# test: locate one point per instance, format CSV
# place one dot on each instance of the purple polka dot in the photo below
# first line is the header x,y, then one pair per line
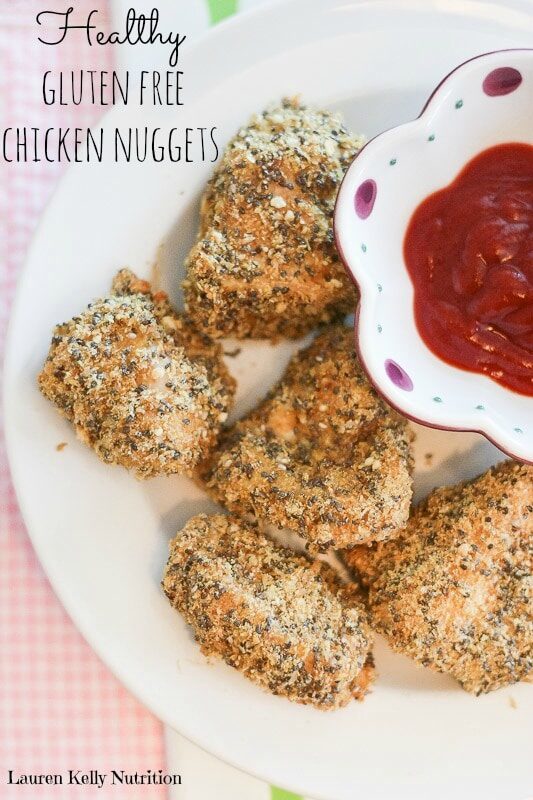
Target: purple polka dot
x,y
365,198
398,375
503,80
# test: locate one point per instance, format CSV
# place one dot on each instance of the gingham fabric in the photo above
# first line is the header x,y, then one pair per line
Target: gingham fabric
x,y
60,708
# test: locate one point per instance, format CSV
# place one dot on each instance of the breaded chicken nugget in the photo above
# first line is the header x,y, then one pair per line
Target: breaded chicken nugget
x,y
454,591
265,264
322,455
142,387
285,623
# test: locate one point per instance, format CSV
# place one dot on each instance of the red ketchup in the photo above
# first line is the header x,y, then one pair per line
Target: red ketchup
x,y
469,252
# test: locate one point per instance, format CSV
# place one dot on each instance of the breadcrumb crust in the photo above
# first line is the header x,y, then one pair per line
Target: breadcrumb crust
x,y
454,591
142,387
286,623
322,455
265,264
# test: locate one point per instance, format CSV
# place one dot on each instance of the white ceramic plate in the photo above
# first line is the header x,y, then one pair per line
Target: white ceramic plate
x,y
102,536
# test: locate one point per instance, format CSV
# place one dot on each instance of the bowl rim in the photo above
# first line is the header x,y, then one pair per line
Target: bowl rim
x,y
357,313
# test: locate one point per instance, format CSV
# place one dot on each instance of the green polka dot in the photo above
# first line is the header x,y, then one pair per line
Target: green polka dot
x,y
480,408
431,137
380,329
363,247
459,104
392,162
380,287
518,430
437,399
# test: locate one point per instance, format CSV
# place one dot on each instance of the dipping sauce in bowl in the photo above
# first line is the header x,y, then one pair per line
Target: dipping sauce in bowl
x,y
469,252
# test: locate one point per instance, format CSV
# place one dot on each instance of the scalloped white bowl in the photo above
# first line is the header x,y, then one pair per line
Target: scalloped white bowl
x,y
465,114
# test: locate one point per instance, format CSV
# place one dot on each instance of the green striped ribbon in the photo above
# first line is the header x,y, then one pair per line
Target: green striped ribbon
x,y
281,794
219,10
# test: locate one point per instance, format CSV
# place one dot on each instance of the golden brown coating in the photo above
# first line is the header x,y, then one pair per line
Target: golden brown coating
x,y
454,591
142,387
322,455
284,622
265,264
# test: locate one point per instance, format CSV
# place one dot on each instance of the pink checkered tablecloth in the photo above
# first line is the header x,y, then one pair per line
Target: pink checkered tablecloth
x,y
60,708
